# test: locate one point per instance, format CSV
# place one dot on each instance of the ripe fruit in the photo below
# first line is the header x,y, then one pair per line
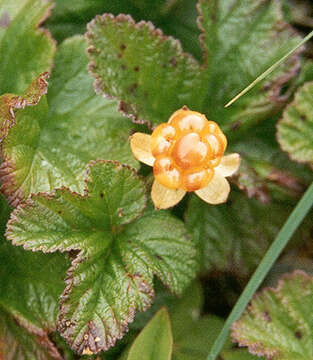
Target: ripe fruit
x,y
186,150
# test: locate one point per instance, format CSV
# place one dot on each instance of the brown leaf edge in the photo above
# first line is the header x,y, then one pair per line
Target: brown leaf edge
x,y
91,342
275,85
129,110
9,105
46,31
88,344
259,188
41,335
257,348
278,136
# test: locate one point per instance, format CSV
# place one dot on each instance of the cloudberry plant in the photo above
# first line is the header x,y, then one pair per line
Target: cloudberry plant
x,y
187,155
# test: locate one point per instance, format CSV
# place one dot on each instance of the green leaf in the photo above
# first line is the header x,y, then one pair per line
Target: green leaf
x,y
26,51
234,236
193,333
279,322
146,70
51,143
236,35
16,343
155,341
295,129
30,284
112,275
242,39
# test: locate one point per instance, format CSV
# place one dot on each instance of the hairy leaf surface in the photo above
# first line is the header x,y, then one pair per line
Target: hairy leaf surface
x,y
146,70
112,276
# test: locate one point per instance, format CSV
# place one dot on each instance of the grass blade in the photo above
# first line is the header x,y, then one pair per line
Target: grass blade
x,y
270,69
290,226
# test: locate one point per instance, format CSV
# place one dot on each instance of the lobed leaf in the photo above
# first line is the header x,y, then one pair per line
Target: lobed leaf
x,y
279,322
155,341
146,70
112,275
295,129
26,50
51,143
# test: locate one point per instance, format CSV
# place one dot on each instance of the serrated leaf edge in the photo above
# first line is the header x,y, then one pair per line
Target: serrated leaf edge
x,y
278,136
89,344
16,103
51,195
129,110
254,347
63,324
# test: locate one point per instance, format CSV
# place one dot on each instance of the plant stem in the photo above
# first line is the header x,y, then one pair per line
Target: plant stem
x,y
290,226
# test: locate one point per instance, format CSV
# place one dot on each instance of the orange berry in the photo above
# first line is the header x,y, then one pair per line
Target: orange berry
x,y
212,127
217,143
188,121
166,173
189,151
197,180
161,139
214,162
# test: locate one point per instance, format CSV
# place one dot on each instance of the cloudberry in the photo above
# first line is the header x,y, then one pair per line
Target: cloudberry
x,y
187,155
186,150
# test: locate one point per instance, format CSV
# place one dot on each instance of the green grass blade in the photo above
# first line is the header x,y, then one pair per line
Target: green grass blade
x,y
270,69
290,226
